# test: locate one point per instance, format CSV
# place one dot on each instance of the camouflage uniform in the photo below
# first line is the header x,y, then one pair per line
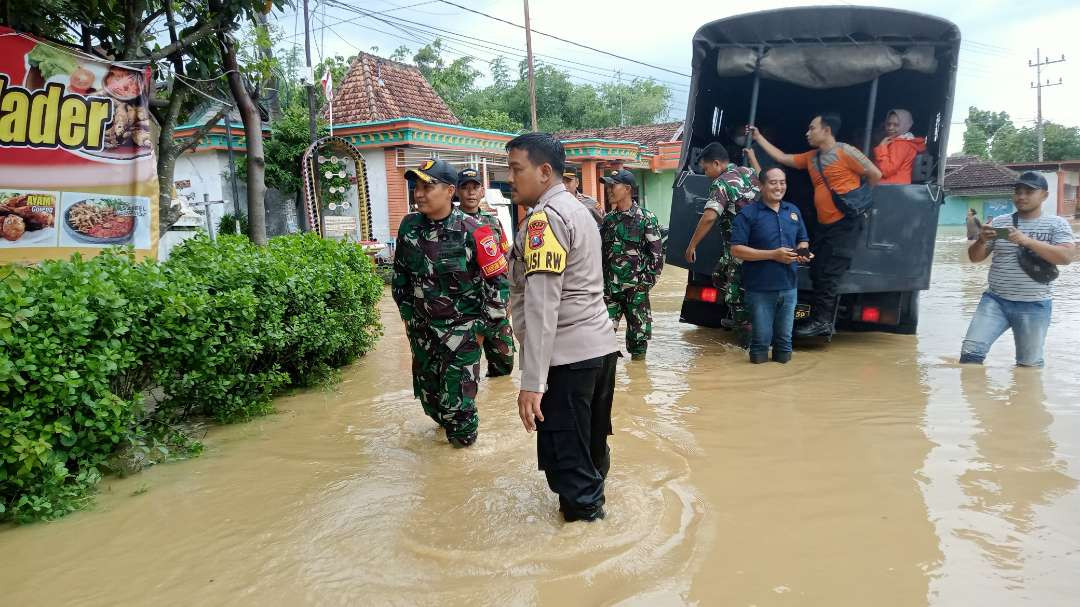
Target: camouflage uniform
x,y
633,256
729,193
498,338
449,282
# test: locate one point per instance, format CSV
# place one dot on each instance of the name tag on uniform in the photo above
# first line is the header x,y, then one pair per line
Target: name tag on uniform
x,y
543,252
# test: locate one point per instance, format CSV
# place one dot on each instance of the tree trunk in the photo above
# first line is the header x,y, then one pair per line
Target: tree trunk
x,y
272,96
256,161
166,159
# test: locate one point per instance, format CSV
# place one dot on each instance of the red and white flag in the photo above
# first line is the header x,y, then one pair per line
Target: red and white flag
x,y
328,85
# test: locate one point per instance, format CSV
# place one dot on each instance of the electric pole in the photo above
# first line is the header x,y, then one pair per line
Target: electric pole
x,y
310,76
532,76
1038,85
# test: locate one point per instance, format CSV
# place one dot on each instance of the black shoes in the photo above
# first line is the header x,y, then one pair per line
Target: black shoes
x,y
781,357
588,517
759,357
815,328
465,441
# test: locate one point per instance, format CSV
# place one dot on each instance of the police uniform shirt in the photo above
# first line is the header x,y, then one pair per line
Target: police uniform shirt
x,y
557,289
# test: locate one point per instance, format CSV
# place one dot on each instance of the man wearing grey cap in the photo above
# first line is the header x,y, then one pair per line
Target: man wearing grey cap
x,y
1027,247
568,349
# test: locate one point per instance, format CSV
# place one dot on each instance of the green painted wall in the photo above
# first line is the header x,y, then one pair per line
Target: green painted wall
x,y
954,213
654,192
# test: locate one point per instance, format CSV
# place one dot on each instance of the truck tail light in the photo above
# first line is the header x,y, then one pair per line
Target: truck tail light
x,y
705,294
870,314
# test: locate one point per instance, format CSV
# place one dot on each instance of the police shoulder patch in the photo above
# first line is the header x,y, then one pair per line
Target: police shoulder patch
x,y
543,252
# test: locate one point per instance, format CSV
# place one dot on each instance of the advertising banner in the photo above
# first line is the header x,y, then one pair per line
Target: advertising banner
x,y
77,164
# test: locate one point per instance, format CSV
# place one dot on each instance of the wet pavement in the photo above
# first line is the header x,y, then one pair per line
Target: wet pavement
x,y
872,471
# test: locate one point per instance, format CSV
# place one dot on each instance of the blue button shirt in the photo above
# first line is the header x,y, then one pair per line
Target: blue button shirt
x,y
759,227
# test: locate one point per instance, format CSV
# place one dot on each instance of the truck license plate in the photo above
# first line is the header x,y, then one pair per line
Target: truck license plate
x,y
802,311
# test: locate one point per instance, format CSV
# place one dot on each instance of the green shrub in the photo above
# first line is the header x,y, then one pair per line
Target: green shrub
x,y
217,330
228,224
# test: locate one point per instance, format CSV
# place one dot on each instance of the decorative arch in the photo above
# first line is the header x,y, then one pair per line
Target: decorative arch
x,y
312,177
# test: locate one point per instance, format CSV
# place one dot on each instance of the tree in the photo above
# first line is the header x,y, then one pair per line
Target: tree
x,y
561,104
185,68
981,128
993,136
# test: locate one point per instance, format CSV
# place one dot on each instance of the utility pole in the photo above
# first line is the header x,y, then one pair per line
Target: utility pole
x,y
532,77
310,75
1038,85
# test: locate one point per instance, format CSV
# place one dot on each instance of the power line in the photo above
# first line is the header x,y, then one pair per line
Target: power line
x,y
452,34
584,46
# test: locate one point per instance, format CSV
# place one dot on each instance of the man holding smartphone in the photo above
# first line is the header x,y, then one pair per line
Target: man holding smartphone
x,y
1014,299
770,237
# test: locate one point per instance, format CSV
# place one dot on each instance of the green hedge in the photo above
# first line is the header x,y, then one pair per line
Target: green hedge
x,y
217,330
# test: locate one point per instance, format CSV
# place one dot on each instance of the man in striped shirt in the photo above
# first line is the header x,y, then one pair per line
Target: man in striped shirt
x,y
1014,300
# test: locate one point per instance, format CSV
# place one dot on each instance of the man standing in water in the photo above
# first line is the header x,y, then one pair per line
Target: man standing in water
x,y
834,241
633,259
568,347
498,339
732,188
1015,299
449,282
770,237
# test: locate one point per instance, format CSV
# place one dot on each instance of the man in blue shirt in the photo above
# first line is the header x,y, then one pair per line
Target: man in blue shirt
x,y
769,236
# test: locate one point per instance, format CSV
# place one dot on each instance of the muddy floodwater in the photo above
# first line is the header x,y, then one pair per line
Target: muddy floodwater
x,y
872,471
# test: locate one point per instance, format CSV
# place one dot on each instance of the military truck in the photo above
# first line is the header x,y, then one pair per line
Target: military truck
x,y
778,69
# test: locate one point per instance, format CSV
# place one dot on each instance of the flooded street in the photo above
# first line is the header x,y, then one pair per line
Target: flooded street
x,y
872,471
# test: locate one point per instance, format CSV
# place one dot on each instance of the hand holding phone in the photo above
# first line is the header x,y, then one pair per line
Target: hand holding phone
x,y
1001,233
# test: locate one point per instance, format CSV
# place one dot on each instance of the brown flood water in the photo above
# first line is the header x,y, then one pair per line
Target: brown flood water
x,y
874,471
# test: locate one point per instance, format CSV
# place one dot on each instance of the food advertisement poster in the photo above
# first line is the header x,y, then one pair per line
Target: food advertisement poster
x,y
78,171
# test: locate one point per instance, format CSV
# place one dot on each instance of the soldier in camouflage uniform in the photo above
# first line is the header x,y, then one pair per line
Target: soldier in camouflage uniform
x,y
449,282
733,187
633,256
498,339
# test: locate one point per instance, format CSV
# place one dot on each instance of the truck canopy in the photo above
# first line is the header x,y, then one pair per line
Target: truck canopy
x,y
778,68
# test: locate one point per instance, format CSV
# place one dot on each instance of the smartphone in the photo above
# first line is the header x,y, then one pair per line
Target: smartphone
x,y
803,252
1001,232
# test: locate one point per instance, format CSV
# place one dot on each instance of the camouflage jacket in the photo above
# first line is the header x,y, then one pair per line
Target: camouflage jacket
x,y
633,253
448,273
733,190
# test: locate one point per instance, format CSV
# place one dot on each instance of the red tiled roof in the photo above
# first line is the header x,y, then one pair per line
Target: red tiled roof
x,y
379,89
648,135
980,177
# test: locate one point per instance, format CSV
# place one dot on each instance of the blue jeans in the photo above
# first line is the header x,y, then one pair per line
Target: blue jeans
x,y
1028,320
772,314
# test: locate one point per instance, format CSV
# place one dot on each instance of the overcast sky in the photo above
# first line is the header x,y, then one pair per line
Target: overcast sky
x,y
999,39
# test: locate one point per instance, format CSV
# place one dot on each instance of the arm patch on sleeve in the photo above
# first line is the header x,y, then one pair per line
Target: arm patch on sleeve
x,y
543,252
489,255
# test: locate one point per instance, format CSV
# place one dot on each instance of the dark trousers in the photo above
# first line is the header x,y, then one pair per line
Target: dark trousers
x,y
833,247
571,443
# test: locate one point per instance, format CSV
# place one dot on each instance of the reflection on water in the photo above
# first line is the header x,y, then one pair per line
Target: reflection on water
x,y
872,471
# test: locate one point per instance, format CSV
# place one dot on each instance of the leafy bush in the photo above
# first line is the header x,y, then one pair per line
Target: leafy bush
x,y
217,330
229,223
